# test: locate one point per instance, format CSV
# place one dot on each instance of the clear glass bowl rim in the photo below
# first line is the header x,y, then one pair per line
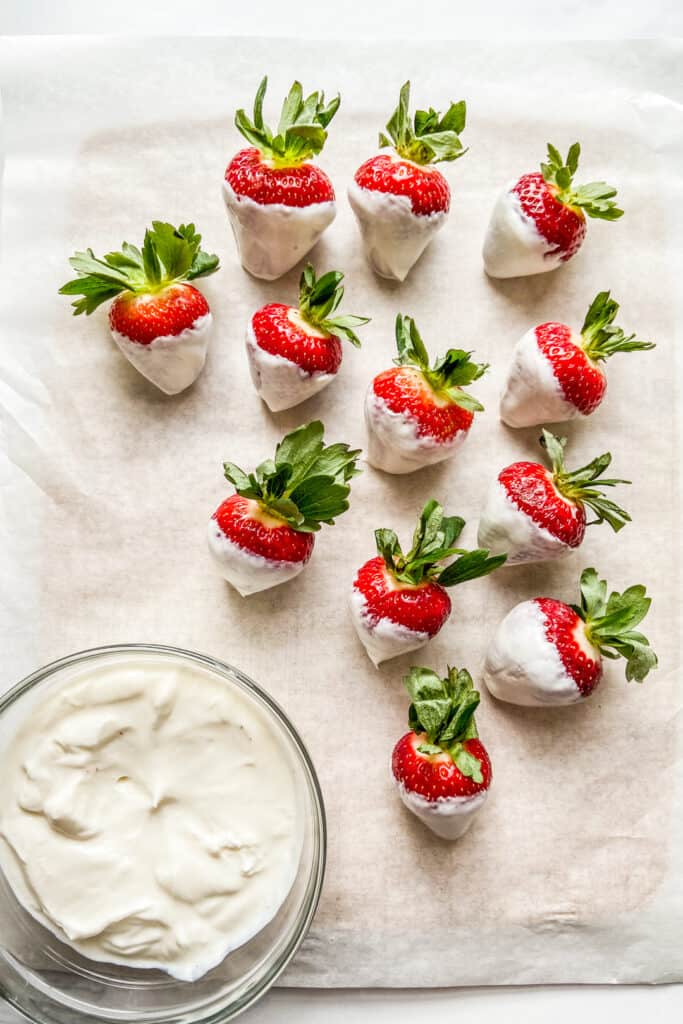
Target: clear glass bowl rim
x,y
255,992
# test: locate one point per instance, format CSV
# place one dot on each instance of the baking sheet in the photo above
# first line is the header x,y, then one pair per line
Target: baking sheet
x,y
573,871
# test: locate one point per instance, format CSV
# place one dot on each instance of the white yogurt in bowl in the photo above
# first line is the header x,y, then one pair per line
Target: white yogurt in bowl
x,y
155,814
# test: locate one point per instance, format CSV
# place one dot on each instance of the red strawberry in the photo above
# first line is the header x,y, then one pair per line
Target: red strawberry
x,y
441,767
539,222
160,323
263,535
546,652
417,415
555,373
278,203
398,602
401,201
534,514
295,352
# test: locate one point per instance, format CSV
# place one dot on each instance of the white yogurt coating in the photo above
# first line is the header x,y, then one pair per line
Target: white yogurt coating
x,y
514,247
532,394
505,529
278,381
394,444
393,236
449,817
246,572
523,667
382,638
149,815
174,361
271,237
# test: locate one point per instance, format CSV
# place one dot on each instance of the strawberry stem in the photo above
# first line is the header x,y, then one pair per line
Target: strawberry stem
x,y
306,484
596,198
601,336
430,137
320,297
301,131
579,485
168,256
448,374
433,542
443,709
610,623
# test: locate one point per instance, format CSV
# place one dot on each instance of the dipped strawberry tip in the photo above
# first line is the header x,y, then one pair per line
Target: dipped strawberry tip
x,y
305,484
448,374
168,256
595,199
443,710
319,299
430,137
584,486
611,621
433,542
601,337
301,132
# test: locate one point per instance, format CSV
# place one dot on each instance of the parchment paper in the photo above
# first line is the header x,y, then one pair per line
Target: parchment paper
x,y
572,873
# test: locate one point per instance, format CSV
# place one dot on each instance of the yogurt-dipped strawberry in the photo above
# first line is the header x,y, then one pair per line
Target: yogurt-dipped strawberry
x,y
264,534
159,321
400,199
294,352
556,373
278,202
417,414
399,602
441,768
539,222
547,653
534,514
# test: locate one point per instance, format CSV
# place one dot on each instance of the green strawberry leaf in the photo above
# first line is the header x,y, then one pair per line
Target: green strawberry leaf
x,y
610,623
596,198
584,486
431,137
169,255
601,336
320,297
301,131
306,484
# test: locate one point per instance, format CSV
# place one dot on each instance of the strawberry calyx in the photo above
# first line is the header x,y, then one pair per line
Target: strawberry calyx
x,y
430,137
610,623
579,485
320,297
305,484
449,372
601,337
595,199
433,542
168,256
301,131
443,710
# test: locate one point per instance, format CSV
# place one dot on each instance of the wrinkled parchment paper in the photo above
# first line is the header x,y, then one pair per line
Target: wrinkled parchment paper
x,y
572,873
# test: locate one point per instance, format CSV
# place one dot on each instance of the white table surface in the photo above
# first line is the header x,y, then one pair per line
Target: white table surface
x,y
320,19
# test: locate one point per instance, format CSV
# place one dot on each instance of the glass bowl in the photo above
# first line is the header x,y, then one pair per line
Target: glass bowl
x,y
51,983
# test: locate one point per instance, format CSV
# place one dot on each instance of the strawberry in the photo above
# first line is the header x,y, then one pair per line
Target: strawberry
x,y
441,767
416,414
555,373
539,222
295,352
263,534
545,652
534,514
279,203
398,602
399,199
160,323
